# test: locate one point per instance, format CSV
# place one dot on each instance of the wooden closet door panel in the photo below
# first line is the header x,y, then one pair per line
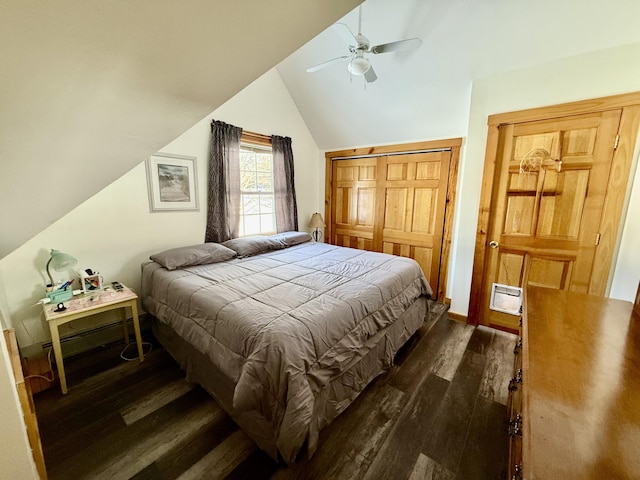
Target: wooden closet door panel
x,y
412,200
354,205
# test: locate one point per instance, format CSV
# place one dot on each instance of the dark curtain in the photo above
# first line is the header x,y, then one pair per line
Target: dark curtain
x,y
223,209
284,188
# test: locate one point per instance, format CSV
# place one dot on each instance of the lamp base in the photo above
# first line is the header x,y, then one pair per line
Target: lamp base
x,y
317,234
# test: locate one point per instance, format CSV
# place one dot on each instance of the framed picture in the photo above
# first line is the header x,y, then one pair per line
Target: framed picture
x,y
172,182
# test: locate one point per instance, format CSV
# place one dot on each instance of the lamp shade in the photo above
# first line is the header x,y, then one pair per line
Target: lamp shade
x,y
316,221
359,65
59,261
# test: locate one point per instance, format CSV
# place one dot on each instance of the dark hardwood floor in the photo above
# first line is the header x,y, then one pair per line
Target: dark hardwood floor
x,y
438,414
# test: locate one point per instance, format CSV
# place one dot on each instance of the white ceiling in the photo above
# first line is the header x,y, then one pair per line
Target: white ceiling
x,y
425,94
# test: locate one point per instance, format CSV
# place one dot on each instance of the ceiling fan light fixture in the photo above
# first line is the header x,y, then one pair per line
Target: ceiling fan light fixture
x,y
359,66
358,45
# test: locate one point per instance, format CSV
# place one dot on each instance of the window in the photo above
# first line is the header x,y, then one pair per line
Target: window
x,y
257,206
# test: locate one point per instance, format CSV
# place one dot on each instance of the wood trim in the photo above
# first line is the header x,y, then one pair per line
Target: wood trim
x,y
566,109
389,149
617,187
452,144
479,259
256,138
628,102
458,317
328,217
447,234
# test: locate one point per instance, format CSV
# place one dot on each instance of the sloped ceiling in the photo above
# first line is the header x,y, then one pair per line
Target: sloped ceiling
x,y
425,94
89,89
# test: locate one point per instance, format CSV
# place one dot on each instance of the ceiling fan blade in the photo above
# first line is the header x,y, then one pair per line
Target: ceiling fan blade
x,y
370,76
322,65
346,34
407,44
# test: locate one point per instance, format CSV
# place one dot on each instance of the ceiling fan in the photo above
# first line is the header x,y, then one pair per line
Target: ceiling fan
x,y
359,45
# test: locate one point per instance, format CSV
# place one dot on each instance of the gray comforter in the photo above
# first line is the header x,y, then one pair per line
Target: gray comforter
x,y
283,324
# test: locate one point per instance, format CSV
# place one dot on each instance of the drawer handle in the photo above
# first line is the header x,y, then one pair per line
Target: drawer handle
x,y
517,472
513,383
515,426
518,347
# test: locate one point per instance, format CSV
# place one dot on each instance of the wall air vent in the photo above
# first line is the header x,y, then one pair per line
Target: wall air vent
x,y
506,299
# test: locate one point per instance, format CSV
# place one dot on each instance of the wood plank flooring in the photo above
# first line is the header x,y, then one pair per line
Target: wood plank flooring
x,y
438,414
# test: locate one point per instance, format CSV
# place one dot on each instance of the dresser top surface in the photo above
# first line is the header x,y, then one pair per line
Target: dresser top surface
x,y
581,366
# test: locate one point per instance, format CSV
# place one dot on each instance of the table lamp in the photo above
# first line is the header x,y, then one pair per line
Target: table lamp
x,y
316,222
59,261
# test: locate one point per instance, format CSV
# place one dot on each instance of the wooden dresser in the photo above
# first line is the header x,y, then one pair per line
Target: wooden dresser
x,y
575,396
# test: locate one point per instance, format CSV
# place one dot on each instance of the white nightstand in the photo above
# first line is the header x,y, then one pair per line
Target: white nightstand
x,y
88,304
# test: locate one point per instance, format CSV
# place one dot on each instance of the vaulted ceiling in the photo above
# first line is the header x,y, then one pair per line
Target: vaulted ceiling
x,y
89,89
424,94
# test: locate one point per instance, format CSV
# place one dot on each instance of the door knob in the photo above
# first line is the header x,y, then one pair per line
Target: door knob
x,y
494,244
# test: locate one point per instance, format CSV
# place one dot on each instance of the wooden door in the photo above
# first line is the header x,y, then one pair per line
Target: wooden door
x,y
393,204
354,202
410,219
546,211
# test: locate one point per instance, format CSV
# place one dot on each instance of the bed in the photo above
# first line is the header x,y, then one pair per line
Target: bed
x,y
283,332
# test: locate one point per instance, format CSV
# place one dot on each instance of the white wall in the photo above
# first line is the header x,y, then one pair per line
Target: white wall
x,y
113,232
597,74
15,453
16,460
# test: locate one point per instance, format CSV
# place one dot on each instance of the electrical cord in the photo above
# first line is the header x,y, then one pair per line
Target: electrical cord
x,y
144,354
50,380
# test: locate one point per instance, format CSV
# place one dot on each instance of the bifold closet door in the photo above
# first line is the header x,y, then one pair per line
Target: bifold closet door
x,y
410,221
354,202
393,204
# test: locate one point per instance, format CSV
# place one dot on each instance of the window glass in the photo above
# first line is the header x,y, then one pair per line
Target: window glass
x,y
257,213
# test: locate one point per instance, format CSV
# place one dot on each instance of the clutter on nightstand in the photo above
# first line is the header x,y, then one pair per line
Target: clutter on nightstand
x,y
90,280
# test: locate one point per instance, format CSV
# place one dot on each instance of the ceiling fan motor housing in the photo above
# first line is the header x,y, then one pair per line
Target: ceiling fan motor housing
x,y
363,42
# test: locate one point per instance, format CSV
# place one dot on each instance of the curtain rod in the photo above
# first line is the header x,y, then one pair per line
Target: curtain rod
x,y
373,155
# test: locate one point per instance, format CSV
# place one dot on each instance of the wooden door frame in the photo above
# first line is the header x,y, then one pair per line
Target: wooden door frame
x,y
618,179
452,144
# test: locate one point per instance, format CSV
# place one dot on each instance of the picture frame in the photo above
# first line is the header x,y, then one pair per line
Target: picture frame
x,y
172,182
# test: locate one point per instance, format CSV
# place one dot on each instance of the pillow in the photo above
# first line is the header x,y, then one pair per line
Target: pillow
x,y
289,239
253,245
201,254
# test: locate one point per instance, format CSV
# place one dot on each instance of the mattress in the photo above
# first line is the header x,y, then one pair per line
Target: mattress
x,y
283,326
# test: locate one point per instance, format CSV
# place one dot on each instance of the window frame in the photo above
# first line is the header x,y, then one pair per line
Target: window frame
x,y
260,142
